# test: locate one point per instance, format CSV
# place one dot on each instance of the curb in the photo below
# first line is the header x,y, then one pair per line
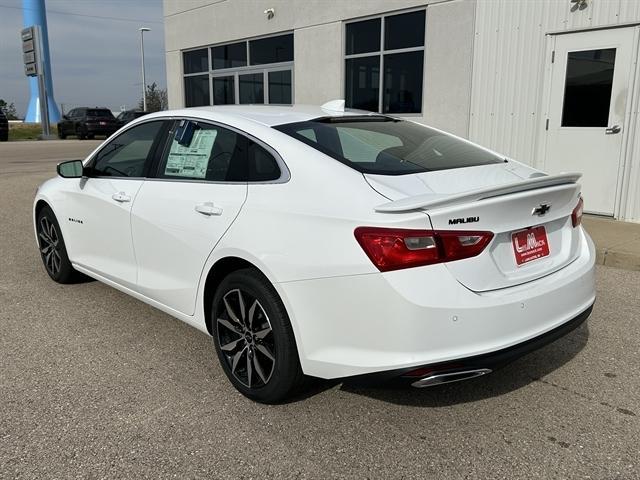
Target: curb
x,y
617,259
617,242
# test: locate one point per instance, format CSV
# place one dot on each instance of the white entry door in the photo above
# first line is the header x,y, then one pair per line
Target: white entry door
x,y
589,91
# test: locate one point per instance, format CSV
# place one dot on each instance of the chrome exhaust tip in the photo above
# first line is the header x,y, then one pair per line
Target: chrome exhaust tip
x,y
450,377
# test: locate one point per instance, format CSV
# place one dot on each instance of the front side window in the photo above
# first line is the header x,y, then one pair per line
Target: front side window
x,y
127,154
386,146
384,63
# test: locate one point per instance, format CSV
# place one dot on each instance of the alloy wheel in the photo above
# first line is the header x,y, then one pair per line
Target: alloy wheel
x,y
246,338
49,246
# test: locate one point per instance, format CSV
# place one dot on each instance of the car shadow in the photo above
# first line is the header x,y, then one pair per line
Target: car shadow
x,y
512,377
82,278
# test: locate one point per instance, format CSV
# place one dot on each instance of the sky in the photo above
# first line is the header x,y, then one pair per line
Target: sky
x,y
94,61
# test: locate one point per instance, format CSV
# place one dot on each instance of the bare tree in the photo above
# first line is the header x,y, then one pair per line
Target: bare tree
x,y
156,99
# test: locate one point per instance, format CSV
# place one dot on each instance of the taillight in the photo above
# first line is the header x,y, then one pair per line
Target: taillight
x,y
576,215
396,248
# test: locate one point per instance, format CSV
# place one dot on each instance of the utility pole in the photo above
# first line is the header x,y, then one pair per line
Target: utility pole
x,y
144,80
35,47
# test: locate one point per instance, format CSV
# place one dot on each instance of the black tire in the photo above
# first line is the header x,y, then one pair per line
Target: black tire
x,y
245,359
80,134
53,250
61,134
91,136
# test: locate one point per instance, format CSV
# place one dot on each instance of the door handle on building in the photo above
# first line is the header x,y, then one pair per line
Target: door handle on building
x,y
121,197
613,129
208,209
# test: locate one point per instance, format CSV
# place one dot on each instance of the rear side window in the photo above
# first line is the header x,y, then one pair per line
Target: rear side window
x,y
211,153
94,112
262,165
386,146
214,153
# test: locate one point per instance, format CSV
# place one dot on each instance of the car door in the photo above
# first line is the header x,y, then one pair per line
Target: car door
x,y
179,216
66,123
99,206
77,119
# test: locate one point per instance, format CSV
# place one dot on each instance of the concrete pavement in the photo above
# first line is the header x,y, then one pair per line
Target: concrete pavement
x,y
41,156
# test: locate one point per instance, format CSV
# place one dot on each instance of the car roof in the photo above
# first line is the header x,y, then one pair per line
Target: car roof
x,y
269,115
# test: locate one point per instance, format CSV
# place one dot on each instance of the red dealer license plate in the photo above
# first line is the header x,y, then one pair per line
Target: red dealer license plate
x,y
530,244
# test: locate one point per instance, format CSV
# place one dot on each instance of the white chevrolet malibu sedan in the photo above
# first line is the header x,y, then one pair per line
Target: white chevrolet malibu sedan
x,y
314,241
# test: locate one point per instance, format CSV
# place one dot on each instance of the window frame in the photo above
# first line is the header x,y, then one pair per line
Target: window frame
x,y
152,157
235,72
381,53
154,171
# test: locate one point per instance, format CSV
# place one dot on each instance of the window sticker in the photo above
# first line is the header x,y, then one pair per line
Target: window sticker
x,y
191,161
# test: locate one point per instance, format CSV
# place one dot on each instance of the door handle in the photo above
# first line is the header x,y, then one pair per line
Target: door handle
x,y
121,197
613,129
208,209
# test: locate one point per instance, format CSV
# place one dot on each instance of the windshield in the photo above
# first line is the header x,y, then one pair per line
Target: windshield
x,y
387,146
99,113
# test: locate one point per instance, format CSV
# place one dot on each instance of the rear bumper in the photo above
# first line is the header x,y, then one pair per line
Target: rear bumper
x,y
490,361
402,320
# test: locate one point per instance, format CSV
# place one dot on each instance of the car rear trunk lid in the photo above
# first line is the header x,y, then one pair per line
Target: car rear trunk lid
x,y
497,199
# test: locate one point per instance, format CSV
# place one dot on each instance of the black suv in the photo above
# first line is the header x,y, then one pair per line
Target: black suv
x,y
129,115
87,123
4,127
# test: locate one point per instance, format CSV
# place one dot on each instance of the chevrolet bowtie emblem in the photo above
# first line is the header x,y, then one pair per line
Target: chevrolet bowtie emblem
x,y
541,209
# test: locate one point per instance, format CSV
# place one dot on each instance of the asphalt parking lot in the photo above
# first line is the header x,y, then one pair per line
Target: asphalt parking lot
x,y
95,384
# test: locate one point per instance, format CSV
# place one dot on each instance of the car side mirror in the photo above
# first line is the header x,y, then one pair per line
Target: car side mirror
x,y
65,117
70,169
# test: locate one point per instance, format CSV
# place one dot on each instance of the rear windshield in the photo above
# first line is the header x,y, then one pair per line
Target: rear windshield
x,y
99,113
387,146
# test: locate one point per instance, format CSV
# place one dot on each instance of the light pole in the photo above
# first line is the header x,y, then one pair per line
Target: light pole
x,y
144,81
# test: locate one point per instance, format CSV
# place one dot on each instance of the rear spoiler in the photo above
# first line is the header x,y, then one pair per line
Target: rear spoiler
x,y
435,200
